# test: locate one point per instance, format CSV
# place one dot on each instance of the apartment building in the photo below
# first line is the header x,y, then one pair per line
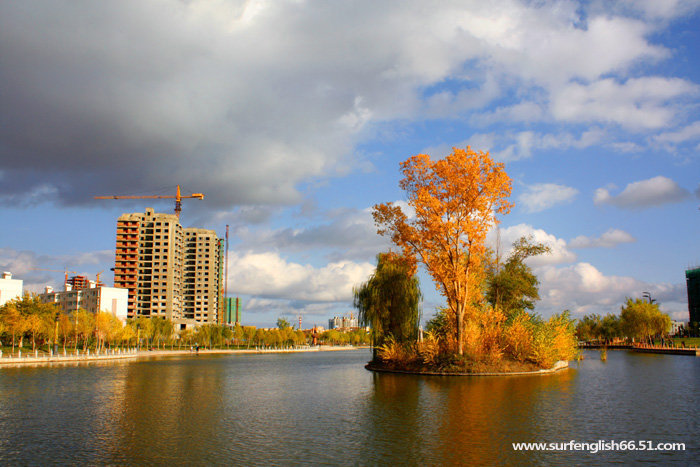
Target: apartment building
x,y
170,272
202,276
89,297
10,288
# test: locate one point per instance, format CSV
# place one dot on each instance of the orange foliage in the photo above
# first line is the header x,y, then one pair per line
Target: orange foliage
x,y
455,201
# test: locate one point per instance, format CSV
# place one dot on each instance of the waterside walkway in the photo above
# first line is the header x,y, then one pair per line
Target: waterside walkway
x,y
42,358
647,348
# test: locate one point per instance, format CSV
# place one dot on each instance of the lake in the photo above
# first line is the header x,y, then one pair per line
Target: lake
x,y
325,408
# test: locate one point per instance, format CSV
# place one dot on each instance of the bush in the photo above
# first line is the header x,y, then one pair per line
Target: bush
x,y
400,354
554,340
518,337
429,349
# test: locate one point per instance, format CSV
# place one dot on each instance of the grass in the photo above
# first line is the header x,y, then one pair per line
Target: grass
x,y
689,341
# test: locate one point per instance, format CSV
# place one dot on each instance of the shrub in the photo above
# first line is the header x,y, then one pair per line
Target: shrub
x,y
518,336
554,340
429,349
397,353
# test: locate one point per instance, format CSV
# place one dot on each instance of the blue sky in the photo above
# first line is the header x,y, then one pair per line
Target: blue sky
x,y
292,118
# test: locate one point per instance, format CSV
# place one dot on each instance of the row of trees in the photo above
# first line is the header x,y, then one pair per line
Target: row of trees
x,y
638,320
26,318
454,202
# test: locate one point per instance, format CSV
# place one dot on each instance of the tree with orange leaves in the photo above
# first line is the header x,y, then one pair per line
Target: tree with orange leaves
x,y
456,200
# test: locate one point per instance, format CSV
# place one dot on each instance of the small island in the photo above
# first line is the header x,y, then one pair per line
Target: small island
x,y
489,325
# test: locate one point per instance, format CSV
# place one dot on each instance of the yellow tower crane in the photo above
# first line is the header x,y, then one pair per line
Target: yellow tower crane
x,y
64,271
178,197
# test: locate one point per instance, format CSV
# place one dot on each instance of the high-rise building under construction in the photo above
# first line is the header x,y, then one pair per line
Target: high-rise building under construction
x,y
171,272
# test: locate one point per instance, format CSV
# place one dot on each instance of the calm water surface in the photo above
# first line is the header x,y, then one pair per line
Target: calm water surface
x,y
325,408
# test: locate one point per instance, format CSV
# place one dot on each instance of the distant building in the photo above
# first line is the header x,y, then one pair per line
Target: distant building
x,y
91,298
170,272
79,282
675,327
232,311
9,288
342,322
692,280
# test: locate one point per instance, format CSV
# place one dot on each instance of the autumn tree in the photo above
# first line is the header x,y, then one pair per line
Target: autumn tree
x,y
455,200
13,321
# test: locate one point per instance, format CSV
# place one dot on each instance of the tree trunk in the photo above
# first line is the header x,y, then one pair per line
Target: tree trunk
x,y
460,329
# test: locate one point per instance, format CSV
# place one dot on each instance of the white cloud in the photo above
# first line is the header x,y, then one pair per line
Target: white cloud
x,y
645,193
520,112
342,234
583,289
559,251
637,104
541,196
609,239
38,271
512,146
665,10
268,275
685,134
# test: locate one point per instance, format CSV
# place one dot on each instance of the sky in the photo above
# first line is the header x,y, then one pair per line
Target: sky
x,y
292,118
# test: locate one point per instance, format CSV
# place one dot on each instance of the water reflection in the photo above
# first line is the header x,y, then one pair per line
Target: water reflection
x,y
325,408
450,420
170,407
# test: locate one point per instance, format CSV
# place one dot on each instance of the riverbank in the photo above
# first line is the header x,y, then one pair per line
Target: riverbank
x,y
560,365
675,349
34,359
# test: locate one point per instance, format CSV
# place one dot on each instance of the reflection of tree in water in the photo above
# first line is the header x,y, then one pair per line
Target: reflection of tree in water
x,y
461,420
170,407
484,415
395,421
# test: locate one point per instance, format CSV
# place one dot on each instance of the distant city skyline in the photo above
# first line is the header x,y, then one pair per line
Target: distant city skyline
x,y
292,119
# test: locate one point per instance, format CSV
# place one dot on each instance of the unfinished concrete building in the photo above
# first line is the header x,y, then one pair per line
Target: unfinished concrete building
x,y
170,272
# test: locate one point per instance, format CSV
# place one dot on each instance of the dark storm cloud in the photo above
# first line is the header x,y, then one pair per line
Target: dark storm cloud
x,y
117,97
245,100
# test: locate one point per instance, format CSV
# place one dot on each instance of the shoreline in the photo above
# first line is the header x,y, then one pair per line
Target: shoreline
x,y
14,362
560,365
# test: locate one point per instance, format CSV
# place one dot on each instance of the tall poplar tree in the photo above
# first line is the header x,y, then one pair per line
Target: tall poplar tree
x,y
455,200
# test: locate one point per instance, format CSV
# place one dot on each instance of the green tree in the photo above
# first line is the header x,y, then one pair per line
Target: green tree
x,y
588,328
389,302
513,287
642,320
610,327
282,323
442,325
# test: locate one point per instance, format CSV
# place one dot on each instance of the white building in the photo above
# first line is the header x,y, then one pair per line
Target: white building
x,y
675,327
93,299
9,288
342,322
